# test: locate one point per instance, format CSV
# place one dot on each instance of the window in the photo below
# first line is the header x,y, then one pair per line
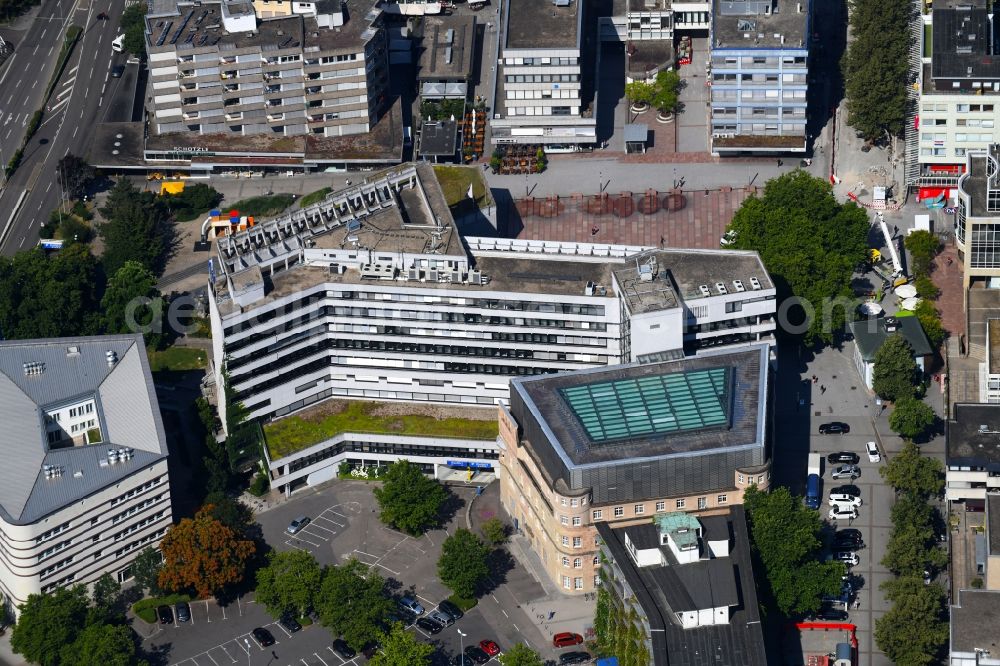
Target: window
x,y
563,520
598,514
565,561
577,583
562,500
565,540
721,499
702,502
619,511
639,509
566,582
577,563
577,521
760,479
739,479
660,506
680,504
597,581
597,541
578,542
574,502
597,560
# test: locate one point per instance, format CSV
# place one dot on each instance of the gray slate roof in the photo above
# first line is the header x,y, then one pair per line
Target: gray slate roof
x,y
869,334
127,413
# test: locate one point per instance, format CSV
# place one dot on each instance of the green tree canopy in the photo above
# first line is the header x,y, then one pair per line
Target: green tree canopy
x,y
809,243
133,24
911,472
101,644
911,549
930,321
911,418
193,201
408,500
786,537
895,374
146,570
137,228
352,602
75,175
289,582
639,92
666,91
201,553
463,565
913,632
923,246
49,622
234,515
520,654
49,296
494,531
127,300
399,647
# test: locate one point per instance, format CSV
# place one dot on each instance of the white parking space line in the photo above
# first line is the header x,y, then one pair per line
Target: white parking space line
x,y
304,550
316,535
320,527
209,655
321,659
74,69
298,538
287,633
223,648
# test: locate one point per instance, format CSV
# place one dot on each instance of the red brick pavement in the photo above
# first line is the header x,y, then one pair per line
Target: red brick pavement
x,y
700,224
948,278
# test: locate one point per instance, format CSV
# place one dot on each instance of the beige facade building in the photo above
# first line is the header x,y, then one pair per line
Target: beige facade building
x,y
623,444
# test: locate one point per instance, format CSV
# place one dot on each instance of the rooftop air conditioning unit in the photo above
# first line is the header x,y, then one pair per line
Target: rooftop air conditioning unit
x,y
413,274
432,275
754,283
456,277
589,289
721,288
738,284
475,277
705,291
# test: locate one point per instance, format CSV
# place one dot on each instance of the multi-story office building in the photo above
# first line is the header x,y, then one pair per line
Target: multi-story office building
x,y
759,59
216,69
539,95
972,453
649,28
84,486
689,581
373,294
959,93
624,443
977,222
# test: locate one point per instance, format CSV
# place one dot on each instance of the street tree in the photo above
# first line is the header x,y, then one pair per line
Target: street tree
x,y
639,93
48,622
133,25
810,244
352,602
289,582
399,647
229,512
464,563
131,302
785,535
930,320
408,500
203,554
101,644
193,201
494,531
520,655
911,418
911,472
914,631
895,374
146,570
666,91
136,228
75,175
912,549
106,592
923,246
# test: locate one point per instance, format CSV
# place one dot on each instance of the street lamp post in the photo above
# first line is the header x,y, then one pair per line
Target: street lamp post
x,y
461,644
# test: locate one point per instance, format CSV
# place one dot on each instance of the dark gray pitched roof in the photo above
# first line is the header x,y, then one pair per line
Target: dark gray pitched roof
x,y
127,414
643,536
869,334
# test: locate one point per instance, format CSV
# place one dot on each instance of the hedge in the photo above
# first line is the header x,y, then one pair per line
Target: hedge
x,y
146,608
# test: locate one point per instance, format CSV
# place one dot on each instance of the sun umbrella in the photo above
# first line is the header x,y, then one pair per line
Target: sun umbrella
x,y
906,291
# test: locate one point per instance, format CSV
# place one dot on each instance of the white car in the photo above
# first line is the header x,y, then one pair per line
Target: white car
x,y
873,454
845,500
847,557
841,512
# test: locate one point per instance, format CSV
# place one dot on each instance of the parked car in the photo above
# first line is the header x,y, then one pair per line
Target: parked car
x,y
117,71
831,614
429,625
263,636
370,649
289,624
846,472
843,457
843,513
873,454
297,524
165,614
443,619
846,556
566,639
845,499
848,533
183,611
850,489
410,603
451,609
343,650
489,647
574,658
475,654
834,428
847,543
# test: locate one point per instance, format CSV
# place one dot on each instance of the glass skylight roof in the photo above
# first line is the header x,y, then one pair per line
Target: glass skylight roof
x,y
661,404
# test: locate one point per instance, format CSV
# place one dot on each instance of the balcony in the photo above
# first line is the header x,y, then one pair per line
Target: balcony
x,y
275,116
236,115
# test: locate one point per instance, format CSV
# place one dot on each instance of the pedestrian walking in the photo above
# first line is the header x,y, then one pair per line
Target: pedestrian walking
x,y
822,389
780,162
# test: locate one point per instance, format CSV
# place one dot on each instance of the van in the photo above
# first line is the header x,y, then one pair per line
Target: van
x,y
812,491
119,44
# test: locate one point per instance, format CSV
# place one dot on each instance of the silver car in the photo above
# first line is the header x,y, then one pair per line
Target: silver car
x,y
297,524
846,472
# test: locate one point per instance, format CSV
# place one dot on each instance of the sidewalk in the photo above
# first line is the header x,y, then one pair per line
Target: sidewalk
x,y
7,656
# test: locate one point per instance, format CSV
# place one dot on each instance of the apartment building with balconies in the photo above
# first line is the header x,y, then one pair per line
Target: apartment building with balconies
x,y
84,486
224,75
759,61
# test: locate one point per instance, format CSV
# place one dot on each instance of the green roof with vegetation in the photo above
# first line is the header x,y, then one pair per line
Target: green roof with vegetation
x,y
294,433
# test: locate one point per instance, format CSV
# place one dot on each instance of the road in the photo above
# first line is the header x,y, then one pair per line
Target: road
x,y
78,102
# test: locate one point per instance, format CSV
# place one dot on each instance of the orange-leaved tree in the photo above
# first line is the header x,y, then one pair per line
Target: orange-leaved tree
x,y
203,553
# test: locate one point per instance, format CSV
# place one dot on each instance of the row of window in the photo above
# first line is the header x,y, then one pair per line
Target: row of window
x,y
135,491
124,515
639,509
401,450
81,427
138,526
58,566
59,529
542,78
52,550
959,108
81,410
535,62
577,583
578,562
135,545
988,123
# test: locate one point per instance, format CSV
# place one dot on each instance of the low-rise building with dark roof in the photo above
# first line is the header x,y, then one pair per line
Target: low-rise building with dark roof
x,y
690,581
975,629
869,335
84,483
447,50
619,444
972,452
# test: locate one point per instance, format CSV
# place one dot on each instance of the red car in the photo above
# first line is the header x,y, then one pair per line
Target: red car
x,y
566,639
489,647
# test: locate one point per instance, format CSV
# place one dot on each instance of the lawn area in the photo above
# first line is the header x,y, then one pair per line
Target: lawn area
x,y
455,184
314,197
263,206
928,40
294,433
177,359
